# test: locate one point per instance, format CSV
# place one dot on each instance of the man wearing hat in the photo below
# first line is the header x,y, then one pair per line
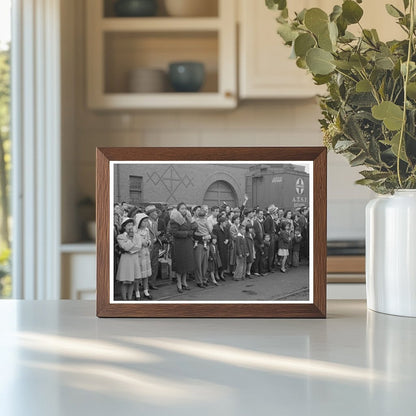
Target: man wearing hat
x,y
269,227
153,214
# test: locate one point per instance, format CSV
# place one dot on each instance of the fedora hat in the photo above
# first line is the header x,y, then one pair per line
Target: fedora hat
x,y
272,209
149,209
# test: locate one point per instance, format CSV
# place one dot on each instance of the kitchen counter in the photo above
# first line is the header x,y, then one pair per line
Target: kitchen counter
x,y
57,358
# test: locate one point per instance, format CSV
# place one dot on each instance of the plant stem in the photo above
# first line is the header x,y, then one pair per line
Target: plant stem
x,y
405,81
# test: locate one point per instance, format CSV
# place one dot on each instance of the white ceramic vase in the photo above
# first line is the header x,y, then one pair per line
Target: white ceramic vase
x,y
391,253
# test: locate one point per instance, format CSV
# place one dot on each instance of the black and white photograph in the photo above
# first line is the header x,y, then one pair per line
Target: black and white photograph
x,y
211,232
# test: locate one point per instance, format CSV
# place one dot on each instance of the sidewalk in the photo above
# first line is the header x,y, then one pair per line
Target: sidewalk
x,y
274,286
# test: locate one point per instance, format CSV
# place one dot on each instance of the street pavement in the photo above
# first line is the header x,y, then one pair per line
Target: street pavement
x,y
293,285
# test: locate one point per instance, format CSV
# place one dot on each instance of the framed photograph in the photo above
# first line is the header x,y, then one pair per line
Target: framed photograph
x,y
211,232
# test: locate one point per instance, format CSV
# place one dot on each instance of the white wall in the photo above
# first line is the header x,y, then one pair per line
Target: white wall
x,y
254,123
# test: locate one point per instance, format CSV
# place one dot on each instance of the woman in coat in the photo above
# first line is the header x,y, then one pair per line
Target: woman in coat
x,y
235,223
222,232
182,227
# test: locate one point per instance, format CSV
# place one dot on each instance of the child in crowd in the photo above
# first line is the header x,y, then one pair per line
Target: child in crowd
x,y
241,252
265,251
128,268
143,238
296,247
214,260
284,244
202,233
251,250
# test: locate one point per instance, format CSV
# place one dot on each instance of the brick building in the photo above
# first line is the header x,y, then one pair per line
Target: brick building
x,y
283,184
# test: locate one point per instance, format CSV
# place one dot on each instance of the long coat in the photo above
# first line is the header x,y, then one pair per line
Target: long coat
x,y
233,237
183,248
250,246
258,233
241,247
129,266
223,249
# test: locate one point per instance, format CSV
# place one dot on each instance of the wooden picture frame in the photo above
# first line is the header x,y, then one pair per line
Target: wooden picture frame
x,y
315,307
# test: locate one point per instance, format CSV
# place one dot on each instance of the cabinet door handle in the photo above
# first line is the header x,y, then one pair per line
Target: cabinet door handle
x,y
229,94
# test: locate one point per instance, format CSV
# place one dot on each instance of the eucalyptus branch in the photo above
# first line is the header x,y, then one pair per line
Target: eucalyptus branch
x,y
346,75
406,80
373,88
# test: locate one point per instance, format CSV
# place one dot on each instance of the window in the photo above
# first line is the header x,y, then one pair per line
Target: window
x,y
5,160
136,183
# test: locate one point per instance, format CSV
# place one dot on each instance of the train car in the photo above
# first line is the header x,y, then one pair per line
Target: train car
x,y
286,186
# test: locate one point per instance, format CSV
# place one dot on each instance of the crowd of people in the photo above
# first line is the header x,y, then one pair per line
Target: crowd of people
x,y
206,244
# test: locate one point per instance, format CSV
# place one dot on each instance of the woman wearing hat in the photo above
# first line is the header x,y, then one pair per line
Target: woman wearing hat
x,y
222,232
128,268
144,243
182,227
270,228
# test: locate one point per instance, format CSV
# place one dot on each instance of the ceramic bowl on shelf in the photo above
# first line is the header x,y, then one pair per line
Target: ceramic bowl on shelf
x,y
186,76
135,8
191,8
147,80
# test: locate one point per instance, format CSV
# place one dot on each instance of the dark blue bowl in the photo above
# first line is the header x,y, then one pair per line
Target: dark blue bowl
x,y
186,76
135,8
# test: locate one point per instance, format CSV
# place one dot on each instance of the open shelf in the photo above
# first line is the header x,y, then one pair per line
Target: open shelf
x,y
211,9
126,51
160,24
119,45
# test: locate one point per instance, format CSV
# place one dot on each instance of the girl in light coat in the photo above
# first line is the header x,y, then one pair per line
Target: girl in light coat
x,y
143,241
128,268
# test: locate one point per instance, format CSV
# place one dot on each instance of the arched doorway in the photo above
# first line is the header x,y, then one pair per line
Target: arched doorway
x,y
218,193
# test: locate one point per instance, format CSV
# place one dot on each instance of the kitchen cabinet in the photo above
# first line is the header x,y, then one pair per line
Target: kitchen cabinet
x,y
265,70
118,45
78,279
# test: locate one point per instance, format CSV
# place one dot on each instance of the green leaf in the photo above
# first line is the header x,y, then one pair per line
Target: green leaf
x,y
394,145
393,11
363,86
342,25
301,63
368,36
375,35
316,20
365,182
384,62
336,12
303,43
358,61
287,33
411,90
374,174
344,65
301,15
325,42
351,11
347,37
320,61
343,145
353,131
321,79
276,4
388,112
358,160
406,4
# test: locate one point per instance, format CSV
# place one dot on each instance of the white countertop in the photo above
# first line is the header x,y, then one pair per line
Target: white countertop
x,y
57,358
